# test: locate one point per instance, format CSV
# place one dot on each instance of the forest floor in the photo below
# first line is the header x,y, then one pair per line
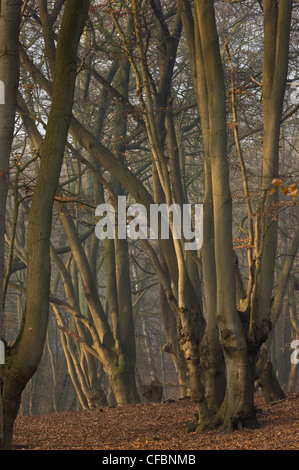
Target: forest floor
x,y
155,426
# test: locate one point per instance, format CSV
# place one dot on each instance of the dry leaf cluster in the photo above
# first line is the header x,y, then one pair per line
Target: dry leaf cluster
x,y
155,426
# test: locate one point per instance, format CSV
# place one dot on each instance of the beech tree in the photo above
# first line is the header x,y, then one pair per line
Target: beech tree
x,y
113,346
240,340
23,357
10,16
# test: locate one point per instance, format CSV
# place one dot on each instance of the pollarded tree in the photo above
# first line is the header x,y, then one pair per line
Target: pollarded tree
x,y
240,340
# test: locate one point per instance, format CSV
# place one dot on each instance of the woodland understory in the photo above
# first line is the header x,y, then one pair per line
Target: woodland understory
x,y
156,104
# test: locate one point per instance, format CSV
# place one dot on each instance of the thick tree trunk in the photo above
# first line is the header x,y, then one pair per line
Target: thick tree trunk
x,y
237,409
211,357
25,354
10,15
124,379
277,21
123,382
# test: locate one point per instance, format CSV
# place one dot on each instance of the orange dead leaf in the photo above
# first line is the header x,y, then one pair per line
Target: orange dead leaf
x,y
294,193
276,182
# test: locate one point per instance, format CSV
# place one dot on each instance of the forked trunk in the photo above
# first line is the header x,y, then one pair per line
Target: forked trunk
x,y
237,409
211,356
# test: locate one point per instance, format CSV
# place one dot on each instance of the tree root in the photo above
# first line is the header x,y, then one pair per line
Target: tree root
x,y
205,426
239,423
225,424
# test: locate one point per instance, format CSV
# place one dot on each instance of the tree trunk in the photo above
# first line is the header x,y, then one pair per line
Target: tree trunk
x,y
275,67
24,356
172,347
237,409
267,379
10,15
211,358
114,355
125,334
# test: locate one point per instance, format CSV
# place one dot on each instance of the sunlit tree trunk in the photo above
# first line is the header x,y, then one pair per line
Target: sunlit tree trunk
x,y
237,407
275,68
168,189
172,346
240,346
211,357
125,331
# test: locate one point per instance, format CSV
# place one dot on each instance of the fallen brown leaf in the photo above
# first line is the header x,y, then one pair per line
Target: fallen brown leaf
x,y
155,426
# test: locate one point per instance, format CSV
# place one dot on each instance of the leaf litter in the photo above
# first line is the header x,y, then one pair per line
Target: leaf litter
x,y
156,426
